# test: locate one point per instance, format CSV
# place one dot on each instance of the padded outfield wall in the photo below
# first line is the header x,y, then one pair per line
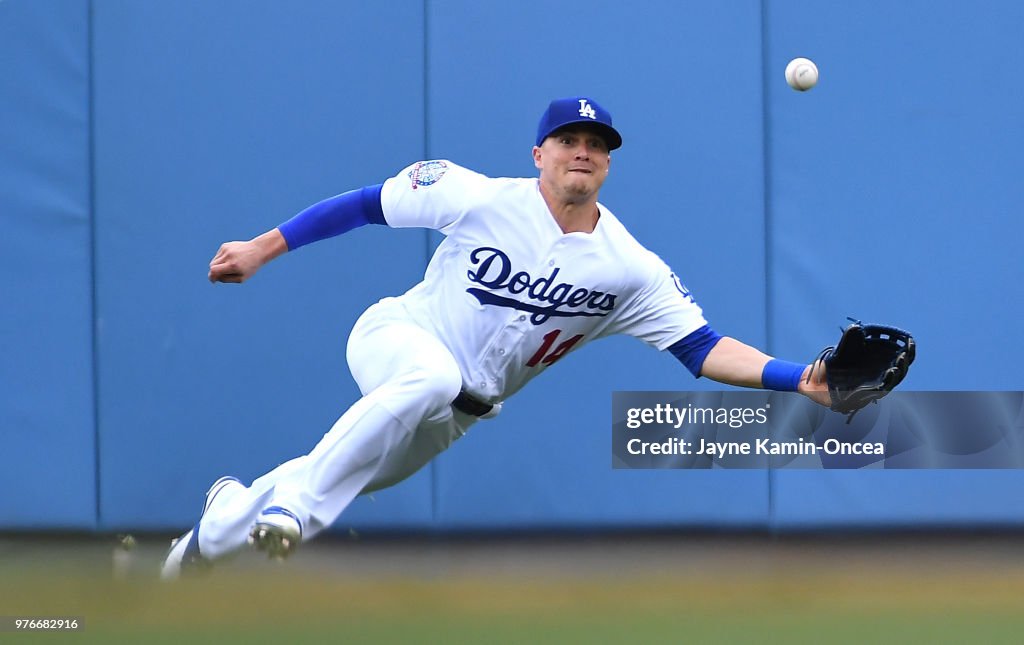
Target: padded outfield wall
x,y
138,136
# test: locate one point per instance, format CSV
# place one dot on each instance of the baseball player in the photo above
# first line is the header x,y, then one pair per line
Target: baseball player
x,y
529,270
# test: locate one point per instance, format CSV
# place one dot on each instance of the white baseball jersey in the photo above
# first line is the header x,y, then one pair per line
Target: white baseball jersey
x,y
509,293
506,295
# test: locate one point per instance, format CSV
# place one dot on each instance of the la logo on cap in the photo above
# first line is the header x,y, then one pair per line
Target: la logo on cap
x,y
565,112
587,110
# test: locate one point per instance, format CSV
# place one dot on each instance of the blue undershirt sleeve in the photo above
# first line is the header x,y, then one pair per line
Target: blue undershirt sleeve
x,y
693,349
334,216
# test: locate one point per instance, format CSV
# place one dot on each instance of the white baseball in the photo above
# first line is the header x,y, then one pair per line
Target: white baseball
x,y
801,74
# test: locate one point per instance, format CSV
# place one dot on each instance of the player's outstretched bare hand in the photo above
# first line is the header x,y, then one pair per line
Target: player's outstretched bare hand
x,y
239,261
814,385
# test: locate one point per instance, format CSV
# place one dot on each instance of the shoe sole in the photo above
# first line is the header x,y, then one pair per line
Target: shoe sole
x,y
276,542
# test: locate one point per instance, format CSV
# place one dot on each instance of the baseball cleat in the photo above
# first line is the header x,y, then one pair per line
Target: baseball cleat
x,y
183,557
277,532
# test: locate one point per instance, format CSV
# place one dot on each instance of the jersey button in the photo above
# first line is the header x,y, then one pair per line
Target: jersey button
x,y
551,263
522,318
501,351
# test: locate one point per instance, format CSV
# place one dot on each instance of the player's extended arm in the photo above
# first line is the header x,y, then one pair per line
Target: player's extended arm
x,y
238,261
736,363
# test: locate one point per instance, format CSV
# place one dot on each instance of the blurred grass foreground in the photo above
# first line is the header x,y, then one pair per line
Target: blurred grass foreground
x,y
626,588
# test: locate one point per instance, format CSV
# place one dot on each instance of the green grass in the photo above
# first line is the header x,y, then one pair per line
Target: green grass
x,y
715,591
281,605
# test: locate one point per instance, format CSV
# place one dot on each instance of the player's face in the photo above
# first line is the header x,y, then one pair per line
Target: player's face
x,y
573,163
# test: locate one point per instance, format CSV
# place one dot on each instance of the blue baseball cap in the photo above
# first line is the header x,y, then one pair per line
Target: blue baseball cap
x,y
577,109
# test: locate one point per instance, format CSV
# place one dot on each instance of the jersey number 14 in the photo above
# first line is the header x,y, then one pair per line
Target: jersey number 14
x,y
542,355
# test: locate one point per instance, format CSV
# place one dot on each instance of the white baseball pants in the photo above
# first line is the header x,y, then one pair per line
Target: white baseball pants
x,y
408,379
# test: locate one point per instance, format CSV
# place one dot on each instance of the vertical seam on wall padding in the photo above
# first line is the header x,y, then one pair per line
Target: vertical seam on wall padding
x,y
427,233
91,174
766,179
426,79
766,212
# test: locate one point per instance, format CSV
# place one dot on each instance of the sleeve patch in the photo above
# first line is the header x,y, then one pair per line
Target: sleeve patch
x,y
427,173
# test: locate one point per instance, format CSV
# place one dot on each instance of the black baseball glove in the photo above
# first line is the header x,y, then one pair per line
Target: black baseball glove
x,y
868,362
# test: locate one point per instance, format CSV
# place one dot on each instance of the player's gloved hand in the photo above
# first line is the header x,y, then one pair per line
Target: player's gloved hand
x,y
239,261
867,363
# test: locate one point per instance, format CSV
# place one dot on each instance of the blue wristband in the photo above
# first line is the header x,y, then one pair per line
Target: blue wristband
x,y
782,376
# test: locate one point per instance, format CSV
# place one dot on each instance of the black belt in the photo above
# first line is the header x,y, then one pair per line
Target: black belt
x,y
471,405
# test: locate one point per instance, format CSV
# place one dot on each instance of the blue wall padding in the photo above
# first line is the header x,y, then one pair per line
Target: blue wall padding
x,y
135,138
217,123
47,429
894,196
546,460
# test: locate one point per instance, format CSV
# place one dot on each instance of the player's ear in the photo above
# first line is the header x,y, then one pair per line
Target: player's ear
x,y
536,156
